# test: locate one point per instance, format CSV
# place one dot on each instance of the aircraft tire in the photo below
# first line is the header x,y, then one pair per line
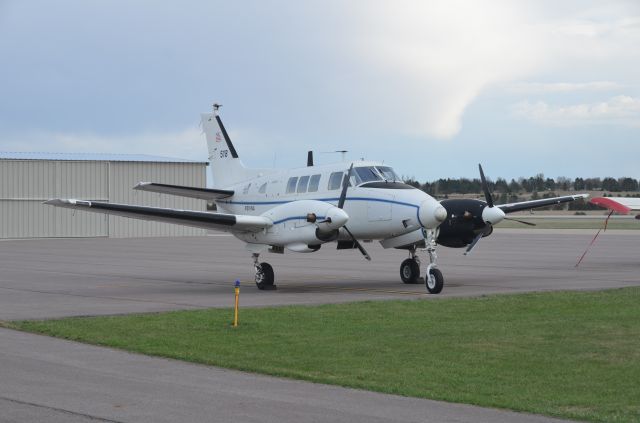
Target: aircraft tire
x,y
264,276
435,286
410,271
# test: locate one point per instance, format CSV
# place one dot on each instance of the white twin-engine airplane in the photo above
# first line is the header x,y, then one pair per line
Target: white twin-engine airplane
x,y
301,209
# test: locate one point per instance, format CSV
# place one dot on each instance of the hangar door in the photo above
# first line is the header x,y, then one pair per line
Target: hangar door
x,y
25,184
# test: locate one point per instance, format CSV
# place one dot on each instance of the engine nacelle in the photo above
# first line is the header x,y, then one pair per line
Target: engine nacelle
x,y
303,225
464,222
303,248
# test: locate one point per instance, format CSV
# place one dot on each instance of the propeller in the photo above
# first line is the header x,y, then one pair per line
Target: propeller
x,y
345,185
473,243
343,197
485,187
490,213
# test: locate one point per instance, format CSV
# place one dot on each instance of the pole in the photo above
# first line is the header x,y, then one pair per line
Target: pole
x,y
235,314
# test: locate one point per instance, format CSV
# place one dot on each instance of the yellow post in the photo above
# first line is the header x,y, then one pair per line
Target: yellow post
x,y
235,314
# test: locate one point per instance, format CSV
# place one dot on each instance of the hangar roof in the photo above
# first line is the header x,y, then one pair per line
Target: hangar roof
x,y
100,157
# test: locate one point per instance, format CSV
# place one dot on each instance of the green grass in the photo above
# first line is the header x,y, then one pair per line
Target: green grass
x,y
567,354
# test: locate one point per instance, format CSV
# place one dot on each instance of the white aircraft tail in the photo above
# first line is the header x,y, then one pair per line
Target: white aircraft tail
x,y
226,167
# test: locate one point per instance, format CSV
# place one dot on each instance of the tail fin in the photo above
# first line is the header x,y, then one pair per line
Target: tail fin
x,y
226,167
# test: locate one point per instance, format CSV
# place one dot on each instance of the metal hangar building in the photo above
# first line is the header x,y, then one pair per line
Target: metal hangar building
x,y
28,179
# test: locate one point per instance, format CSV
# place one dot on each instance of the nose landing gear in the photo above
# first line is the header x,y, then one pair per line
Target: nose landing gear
x,y
434,281
433,278
410,268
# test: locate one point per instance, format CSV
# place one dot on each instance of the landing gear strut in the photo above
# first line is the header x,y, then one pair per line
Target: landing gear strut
x,y
433,278
264,274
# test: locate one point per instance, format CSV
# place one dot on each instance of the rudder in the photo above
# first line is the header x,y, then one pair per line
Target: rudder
x,y
226,166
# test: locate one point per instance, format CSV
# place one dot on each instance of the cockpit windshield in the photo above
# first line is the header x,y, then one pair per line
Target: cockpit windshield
x,y
374,174
388,174
366,174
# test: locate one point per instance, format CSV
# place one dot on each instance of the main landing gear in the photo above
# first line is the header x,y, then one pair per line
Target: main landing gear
x,y
264,274
410,268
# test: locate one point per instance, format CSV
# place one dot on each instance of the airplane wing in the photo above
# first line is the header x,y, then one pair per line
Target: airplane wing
x,y
192,192
533,204
197,219
622,205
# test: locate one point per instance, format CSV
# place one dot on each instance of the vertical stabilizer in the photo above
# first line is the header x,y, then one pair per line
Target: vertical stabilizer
x,y
226,167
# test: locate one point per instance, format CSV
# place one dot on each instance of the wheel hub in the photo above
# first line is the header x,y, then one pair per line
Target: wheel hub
x,y
406,271
431,281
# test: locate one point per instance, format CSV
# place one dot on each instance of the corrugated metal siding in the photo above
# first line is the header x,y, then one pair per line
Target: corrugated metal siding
x,y
83,180
25,184
123,176
21,179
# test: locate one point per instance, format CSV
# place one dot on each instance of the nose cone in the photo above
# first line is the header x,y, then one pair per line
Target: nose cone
x,y
440,214
337,218
492,215
431,214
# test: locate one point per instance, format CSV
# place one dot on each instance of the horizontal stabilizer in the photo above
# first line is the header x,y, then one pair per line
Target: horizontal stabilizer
x,y
197,219
192,192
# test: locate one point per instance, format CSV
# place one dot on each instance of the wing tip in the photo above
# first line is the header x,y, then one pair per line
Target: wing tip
x,y
141,185
64,202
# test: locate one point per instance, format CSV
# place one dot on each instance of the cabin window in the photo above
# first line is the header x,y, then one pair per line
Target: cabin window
x,y
335,180
263,188
302,184
291,184
314,182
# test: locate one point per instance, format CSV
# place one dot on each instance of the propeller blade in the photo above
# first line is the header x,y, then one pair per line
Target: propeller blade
x,y
485,188
473,243
520,221
345,185
355,241
343,197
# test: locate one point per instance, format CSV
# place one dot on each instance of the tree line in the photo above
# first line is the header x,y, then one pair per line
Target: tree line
x,y
538,183
529,188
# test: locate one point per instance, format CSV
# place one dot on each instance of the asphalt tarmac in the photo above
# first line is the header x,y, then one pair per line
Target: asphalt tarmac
x,y
46,379
69,277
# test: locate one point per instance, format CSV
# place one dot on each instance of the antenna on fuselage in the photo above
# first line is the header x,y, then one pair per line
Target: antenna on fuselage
x,y
343,152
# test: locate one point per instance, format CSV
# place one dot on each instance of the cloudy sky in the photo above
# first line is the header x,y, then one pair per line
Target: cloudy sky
x,y
431,87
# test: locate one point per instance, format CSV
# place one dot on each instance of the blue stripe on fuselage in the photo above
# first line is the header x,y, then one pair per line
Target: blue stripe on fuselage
x,y
264,203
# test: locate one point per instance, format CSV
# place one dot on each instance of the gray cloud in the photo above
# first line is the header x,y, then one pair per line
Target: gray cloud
x,y
619,110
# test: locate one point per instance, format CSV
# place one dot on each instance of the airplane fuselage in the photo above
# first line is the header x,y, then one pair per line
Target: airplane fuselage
x,y
377,209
